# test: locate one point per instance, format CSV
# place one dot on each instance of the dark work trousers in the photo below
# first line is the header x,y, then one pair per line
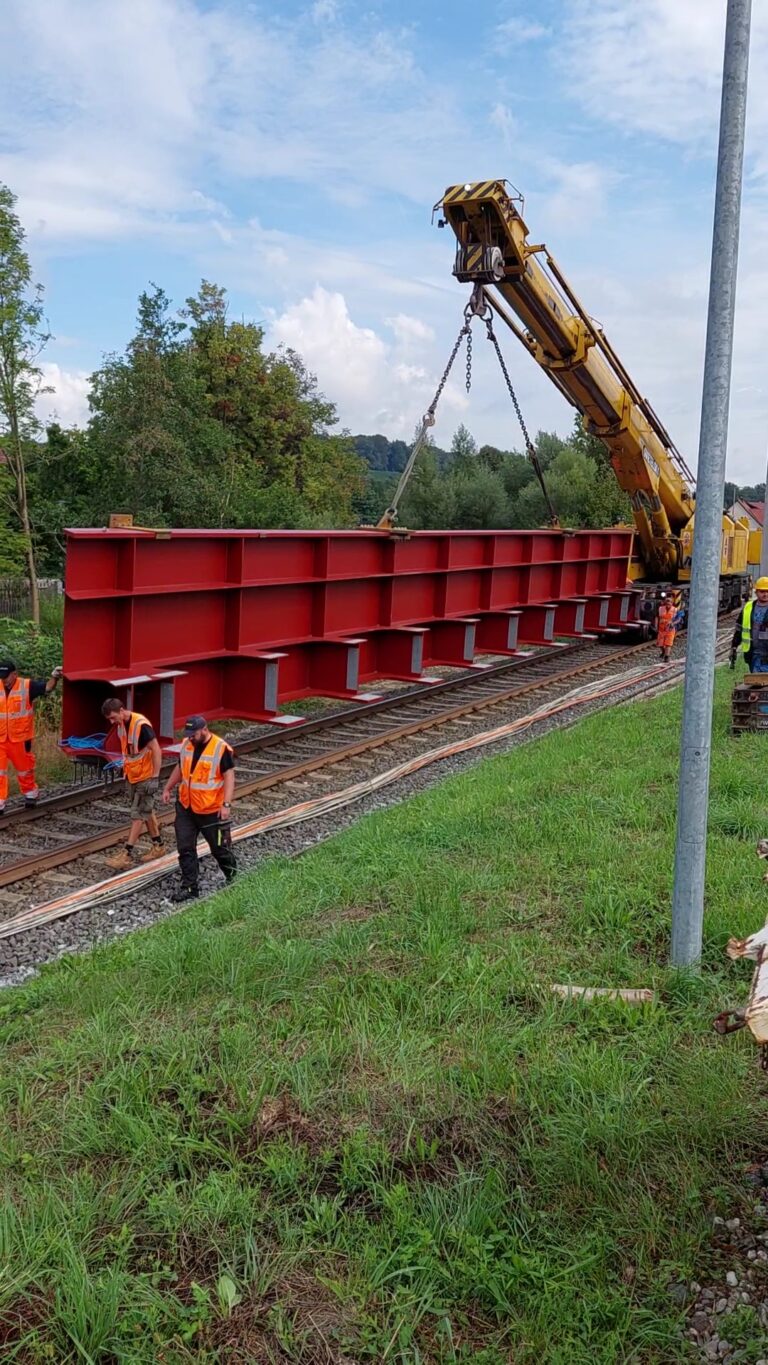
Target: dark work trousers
x,y
217,834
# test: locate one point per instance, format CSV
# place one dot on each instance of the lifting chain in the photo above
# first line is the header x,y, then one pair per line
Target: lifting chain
x,y
529,446
478,306
387,521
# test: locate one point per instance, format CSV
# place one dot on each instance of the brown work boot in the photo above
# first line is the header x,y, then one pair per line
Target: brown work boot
x,y
120,862
154,851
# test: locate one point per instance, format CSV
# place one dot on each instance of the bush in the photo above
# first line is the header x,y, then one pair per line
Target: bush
x,y
36,653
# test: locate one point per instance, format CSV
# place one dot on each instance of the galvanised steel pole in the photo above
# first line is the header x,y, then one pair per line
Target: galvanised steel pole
x,y
695,746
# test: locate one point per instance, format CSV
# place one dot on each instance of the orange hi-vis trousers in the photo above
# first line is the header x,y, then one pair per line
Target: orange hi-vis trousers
x,y
16,754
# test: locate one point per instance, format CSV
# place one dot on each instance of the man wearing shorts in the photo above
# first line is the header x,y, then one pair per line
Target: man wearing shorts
x,y
142,760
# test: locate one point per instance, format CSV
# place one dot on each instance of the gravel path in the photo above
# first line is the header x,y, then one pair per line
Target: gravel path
x,y
726,1308
20,956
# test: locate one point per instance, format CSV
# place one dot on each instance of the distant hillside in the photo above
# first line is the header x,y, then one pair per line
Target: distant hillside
x,y
390,456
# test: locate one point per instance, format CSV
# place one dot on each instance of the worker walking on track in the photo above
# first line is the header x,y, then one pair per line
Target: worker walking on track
x,y
667,620
751,631
205,778
142,761
17,728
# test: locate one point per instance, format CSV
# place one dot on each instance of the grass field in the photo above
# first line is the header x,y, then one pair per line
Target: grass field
x,y
331,1116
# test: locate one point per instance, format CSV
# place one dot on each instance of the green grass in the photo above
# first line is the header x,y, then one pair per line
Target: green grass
x,y
330,1116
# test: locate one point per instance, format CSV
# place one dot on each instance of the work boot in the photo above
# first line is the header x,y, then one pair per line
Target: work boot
x,y
185,893
30,802
229,877
121,862
154,851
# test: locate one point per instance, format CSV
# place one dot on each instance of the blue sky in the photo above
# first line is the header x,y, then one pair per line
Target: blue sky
x,y
292,152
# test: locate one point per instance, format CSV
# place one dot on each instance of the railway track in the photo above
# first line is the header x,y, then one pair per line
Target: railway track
x,y
61,845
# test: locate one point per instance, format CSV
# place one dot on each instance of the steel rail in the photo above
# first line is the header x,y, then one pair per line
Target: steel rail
x,y
86,793
50,859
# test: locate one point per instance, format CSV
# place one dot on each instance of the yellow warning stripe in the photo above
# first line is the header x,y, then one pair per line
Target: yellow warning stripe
x,y
474,258
482,189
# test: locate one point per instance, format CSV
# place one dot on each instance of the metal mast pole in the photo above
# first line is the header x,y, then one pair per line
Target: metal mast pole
x,y
695,747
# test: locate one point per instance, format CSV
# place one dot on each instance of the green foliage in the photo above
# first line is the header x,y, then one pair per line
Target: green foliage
x,y
430,499
382,454
65,490
12,563
195,425
36,652
463,451
22,337
747,492
497,488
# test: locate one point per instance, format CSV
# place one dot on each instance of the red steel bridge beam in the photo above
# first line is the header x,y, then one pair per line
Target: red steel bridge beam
x,y
237,623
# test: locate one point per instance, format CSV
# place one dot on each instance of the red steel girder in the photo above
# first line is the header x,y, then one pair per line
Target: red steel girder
x,y
238,622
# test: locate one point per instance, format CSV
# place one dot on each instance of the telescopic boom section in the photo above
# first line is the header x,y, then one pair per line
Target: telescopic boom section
x,y
524,280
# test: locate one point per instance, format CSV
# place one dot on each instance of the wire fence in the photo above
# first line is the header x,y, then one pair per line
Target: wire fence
x,y
15,595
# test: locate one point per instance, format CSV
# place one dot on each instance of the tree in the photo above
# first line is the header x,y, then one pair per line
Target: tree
x,y
22,337
429,501
463,452
197,425
730,494
11,540
65,488
751,492
583,495
479,498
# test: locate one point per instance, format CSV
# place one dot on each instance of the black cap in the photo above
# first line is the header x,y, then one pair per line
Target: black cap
x,y
7,667
195,723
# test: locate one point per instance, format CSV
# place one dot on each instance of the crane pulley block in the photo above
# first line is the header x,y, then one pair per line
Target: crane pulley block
x,y
478,264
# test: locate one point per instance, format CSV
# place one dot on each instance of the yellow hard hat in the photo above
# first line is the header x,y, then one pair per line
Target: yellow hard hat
x,y
762,585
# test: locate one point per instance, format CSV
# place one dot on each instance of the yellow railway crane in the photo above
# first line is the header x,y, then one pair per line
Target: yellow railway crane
x,y
525,287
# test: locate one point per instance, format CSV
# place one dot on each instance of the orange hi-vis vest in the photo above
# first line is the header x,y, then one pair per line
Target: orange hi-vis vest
x,y
202,786
17,723
138,764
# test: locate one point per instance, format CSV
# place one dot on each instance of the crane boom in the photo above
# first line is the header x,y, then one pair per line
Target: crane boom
x,y
525,285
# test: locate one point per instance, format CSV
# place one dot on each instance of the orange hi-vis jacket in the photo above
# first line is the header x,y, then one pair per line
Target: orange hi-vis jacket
x,y
666,629
202,787
17,723
138,764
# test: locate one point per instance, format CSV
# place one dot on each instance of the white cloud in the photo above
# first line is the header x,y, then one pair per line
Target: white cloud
x,y
325,11
67,403
410,330
654,66
375,386
114,114
573,194
504,121
131,124
515,31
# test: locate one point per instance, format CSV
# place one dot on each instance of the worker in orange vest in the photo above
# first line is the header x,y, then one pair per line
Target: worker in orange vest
x,y
667,621
17,728
205,778
142,761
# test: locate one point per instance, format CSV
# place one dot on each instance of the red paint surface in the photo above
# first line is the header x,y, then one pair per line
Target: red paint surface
x,y
339,608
